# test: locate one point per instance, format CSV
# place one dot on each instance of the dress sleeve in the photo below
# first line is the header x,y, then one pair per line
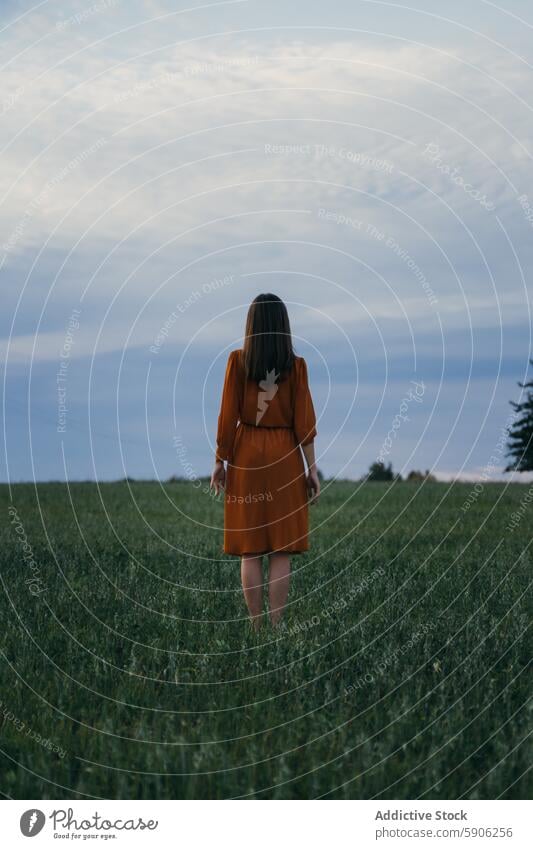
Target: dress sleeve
x,y
304,412
229,409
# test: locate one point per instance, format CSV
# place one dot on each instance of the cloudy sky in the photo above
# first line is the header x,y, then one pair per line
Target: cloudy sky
x,y
370,162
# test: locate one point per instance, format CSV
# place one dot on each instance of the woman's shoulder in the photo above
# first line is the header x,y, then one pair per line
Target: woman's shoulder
x,y
299,363
298,371
235,362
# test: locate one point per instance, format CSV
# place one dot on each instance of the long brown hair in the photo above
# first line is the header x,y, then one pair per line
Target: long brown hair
x,y
268,340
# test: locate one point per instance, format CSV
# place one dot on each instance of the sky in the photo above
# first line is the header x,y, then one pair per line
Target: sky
x,y
369,162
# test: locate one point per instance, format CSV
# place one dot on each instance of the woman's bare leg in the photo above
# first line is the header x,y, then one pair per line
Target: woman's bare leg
x,y
252,585
278,584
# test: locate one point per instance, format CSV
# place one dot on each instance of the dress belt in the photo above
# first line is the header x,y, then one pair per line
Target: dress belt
x,y
267,427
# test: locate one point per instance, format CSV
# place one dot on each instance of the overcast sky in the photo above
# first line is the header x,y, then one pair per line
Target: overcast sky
x,y
369,162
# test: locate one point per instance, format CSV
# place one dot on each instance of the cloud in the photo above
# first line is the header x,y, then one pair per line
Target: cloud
x,y
206,100
142,161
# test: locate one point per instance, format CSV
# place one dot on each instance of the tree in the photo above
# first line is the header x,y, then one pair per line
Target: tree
x,y
415,475
520,443
378,471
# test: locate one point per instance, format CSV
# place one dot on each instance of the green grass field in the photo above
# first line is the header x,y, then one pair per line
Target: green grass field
x,y
129,670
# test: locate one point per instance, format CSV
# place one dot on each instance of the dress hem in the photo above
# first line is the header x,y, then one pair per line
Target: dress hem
x,y
268,551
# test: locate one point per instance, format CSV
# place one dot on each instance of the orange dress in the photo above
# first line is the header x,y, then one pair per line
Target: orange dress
x,y
260,429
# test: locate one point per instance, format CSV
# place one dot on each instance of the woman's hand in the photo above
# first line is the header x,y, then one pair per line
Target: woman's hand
x,y
313,485
218,478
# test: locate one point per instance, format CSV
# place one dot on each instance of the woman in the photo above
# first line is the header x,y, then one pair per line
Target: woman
x,y
266,414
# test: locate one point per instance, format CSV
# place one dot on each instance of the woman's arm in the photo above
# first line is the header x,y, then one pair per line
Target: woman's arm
x,y
218,476
305,429
227,422
304,411
313,483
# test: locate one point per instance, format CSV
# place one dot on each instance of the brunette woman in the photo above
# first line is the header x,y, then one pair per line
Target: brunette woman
x,y
266,422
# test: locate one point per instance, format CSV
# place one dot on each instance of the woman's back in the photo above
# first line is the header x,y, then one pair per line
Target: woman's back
x,y
273,402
